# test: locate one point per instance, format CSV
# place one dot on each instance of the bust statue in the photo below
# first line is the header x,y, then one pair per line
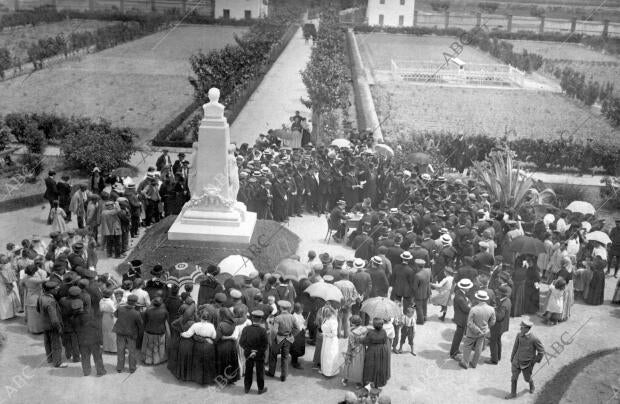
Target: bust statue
x,y
213,109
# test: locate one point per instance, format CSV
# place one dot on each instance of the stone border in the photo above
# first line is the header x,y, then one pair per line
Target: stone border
x,y
367,118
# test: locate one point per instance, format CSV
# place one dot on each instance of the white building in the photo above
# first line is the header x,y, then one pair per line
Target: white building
x,y
396,13
241,9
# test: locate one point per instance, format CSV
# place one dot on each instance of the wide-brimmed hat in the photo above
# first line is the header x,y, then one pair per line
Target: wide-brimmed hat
x,y
376,260
445,239
406,256
358,263
482,295
325,258
526,323
465,284
419,261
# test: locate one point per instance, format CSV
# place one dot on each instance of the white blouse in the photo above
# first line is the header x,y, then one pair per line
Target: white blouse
x,y
203,329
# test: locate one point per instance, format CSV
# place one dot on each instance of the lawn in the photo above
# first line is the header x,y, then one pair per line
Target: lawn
x,y
378,49
141,84
563,51
595,65
19,39
416,108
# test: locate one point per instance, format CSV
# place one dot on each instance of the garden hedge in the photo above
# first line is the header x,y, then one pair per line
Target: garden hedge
x,y
250,60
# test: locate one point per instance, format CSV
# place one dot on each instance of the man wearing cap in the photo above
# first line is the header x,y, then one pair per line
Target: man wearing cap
x,y
128,328
111,229
462,306
526,351
254,342
481,317
51,324
502,322
338,220
69,336
421,289
77,258
87,330
403,279
283,334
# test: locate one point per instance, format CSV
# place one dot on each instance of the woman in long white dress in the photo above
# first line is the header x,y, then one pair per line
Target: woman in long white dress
x,y
9,295
32,286
330,364
233,173
107,307
59,217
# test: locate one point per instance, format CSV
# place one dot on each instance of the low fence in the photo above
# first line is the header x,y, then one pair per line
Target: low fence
x,y
469,74
507,23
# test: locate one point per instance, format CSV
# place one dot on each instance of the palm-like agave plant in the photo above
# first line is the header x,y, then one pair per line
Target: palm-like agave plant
x,y
505,182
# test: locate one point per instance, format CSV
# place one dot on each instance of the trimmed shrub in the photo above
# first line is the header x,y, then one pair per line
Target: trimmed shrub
x,y
88,144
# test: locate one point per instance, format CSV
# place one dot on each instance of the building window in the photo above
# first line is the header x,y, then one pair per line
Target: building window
x,y
380,19
401,20
226,13
381,1
402,2
248,14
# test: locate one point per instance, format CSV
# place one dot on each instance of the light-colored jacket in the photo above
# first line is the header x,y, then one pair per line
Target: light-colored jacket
x,y
481,318
110,222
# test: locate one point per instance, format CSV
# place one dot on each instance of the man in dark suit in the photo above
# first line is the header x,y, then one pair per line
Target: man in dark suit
x,y
163,162
351,188
483,258
526,351
51,191
86,327
177,167
403,280
254,342
311,185
378,279
337,219
363,244
462,305
362,282
52,324
502,321
421,289
128,328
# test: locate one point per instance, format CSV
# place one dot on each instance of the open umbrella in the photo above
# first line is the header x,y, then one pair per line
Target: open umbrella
x,y
381,307
325,291
526,245
237,265
183,274
341,143
599,236
292,269
581,207
348,291
384,150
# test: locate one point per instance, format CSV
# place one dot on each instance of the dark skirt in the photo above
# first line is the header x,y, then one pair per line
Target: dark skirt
x,y
596,289
298,349
377,364
184,359
532,299
518,299
173,351
203,362
316,359
227,360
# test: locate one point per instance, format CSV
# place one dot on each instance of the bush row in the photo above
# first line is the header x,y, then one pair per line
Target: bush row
x,y
574,84
327,74
47,15
558,154
236,70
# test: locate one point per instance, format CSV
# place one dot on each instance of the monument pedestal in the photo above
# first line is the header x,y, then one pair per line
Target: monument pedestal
x,y
234,225
213,213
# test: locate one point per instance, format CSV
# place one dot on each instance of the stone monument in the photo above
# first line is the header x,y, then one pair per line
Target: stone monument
x,y
213,213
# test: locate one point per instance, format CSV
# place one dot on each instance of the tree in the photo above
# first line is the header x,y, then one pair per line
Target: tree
x,y
88,145
5,61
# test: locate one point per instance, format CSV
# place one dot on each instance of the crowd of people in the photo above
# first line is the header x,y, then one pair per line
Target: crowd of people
x,y
420,238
